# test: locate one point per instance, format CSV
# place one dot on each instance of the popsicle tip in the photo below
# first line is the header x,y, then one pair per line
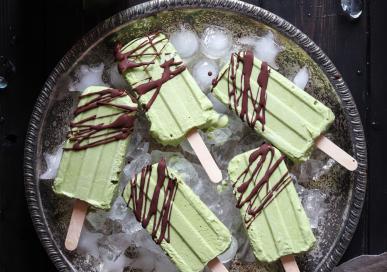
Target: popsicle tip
x,y
352,165
215,175
71,244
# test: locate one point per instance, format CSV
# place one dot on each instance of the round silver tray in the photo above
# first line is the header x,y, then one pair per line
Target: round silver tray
x,y
348,189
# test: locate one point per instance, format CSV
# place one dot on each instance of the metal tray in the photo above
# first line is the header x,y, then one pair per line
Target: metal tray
x,y
346,191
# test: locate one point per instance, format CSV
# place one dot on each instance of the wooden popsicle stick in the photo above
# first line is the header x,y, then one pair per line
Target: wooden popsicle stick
x,y
204,156
76,224
215,265
336,153
289,264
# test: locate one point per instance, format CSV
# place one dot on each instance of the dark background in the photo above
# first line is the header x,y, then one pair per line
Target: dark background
x,y
34,35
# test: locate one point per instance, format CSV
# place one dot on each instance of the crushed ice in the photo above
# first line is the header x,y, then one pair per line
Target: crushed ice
x,y
52,163
302,78
87,76
265,48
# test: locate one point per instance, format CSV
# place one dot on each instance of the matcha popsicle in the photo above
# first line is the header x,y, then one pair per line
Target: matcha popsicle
x,y
272,213
289,118
95,148
189,233
173,101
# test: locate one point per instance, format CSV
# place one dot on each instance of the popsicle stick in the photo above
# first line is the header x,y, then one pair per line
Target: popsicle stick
x,y
204,156
215,265
336,153
289,264
76,224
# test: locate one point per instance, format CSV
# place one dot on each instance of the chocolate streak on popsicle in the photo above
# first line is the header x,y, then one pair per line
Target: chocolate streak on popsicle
x,y
139,194
119,129
242,97
249,178
129,60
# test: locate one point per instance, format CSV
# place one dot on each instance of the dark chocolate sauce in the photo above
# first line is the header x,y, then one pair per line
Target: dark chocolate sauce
x,y
95,135
244,96
145,207
130,60
256,203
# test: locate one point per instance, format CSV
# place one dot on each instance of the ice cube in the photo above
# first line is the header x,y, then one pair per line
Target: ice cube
x,y
204,72
302,77
116,79
216,42
310,170
88,243
87,76
130,224
96,219
119,209
185,41
136,165
219,136
218,106
315,207
352,8
228,255
52,163
265,48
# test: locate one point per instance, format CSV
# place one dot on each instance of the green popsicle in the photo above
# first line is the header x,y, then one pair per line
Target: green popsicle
x,y
272,213
188,232
173,101
275,107
95,149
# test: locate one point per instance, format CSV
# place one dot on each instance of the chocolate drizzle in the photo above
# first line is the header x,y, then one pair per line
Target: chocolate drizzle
x,y
243,96
131,60
84,135
145,207
250,186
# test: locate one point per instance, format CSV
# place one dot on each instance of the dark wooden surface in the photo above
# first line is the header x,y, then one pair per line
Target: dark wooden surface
x,y
35,36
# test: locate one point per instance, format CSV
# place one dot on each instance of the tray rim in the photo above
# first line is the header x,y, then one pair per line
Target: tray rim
x,y
357,135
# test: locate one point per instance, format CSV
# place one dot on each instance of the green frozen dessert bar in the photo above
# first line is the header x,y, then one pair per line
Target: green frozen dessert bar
x,y
272,213
272,105
189,233
96,144
172,99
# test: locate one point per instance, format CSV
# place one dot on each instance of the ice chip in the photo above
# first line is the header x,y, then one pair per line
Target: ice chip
x,y
52,163
116,78
265,48
185,41
216,42
87,76
218,106
230,253
88,243
204,72
137,164
302,78
314,204
119,209
219,136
